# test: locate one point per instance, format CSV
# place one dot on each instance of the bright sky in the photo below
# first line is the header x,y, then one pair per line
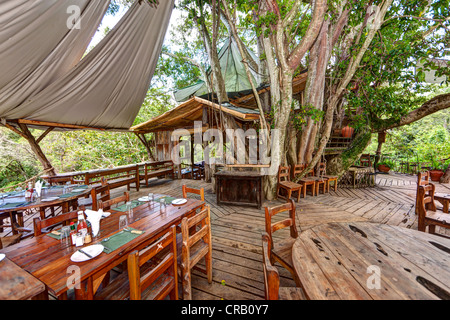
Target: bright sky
x,y
110,21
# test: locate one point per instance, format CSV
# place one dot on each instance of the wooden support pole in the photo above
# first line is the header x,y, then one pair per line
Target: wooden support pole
x,y
146,143
44,134
37,150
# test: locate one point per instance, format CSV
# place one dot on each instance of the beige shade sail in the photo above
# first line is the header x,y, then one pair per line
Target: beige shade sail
x,y
107,87
38,43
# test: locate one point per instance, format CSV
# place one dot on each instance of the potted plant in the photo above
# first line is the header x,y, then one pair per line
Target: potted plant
x,y
385,166
437,171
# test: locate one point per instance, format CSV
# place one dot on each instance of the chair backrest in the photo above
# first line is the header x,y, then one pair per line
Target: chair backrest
x,y
284,174
425,199
288,222
297,169
200,192
102,193
166,264
191,235
63,218
106,205
322,168
271,275
423,178
365,160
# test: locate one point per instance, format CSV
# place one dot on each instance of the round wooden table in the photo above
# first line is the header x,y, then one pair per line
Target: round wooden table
x,y
364,260
65,201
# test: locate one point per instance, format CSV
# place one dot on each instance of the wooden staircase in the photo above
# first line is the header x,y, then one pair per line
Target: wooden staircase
x,y
337,145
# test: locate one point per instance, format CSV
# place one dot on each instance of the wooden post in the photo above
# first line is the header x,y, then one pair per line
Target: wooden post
x,y
146,144
37,149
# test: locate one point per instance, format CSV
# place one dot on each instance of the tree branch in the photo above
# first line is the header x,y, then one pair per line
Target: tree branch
x,y
433,105
312,32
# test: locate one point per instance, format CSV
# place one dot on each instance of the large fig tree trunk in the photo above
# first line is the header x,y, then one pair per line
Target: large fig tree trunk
x,y
340,164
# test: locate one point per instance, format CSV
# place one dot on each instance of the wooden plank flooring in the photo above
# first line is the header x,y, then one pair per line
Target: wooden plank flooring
x,y
236,230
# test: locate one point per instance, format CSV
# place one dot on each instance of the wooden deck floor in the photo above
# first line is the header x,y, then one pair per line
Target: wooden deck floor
x,y
236,230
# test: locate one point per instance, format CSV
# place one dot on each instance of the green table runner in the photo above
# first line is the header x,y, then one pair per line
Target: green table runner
x,y
14,204
167,199
134,204
119,239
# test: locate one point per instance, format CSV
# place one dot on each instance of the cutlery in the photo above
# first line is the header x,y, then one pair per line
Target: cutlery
x,y
79,250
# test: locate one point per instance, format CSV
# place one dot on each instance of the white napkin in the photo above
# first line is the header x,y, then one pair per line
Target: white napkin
x,y
38,187
94,218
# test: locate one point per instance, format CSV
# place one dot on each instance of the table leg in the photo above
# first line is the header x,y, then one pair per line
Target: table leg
x,y
42,212
12,217
65,207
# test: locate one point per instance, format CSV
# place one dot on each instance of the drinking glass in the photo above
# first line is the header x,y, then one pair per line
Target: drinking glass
x,y
162,205
123,221
150,197
65,235
129,207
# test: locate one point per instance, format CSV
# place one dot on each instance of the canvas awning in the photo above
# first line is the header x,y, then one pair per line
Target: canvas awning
x,y
105,89
233,72
184,115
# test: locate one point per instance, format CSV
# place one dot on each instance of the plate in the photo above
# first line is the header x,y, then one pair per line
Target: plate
x,y
2,256
50,199
78,190
144,199
93,250
179,202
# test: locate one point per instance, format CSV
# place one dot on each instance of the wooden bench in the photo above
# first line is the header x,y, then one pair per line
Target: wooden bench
x,y
116,177
155,169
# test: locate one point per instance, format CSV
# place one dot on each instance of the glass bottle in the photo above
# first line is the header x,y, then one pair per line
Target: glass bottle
x,y
82,224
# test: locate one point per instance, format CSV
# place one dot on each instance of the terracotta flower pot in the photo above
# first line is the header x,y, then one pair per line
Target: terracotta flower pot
x,y
383,168
435,175
347,132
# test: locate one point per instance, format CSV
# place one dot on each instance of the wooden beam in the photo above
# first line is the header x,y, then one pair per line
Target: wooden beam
x,y
49,129
55,124
10,127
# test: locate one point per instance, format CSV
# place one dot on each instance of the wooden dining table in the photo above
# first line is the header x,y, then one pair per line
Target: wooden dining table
x,y
370,261
17,284
444,199
48,260
56,196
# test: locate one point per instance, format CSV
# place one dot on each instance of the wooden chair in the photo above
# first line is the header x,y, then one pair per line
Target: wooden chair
x,y
200,192
323,174
106,205
9,240
282,250
147,278
305,181
423,179
320,181
272,288
427,214
195,246
285,184
365,160
101,193
64,219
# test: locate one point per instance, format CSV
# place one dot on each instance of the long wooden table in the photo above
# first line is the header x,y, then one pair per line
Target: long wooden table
x,y
49,261
363,260
65,202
